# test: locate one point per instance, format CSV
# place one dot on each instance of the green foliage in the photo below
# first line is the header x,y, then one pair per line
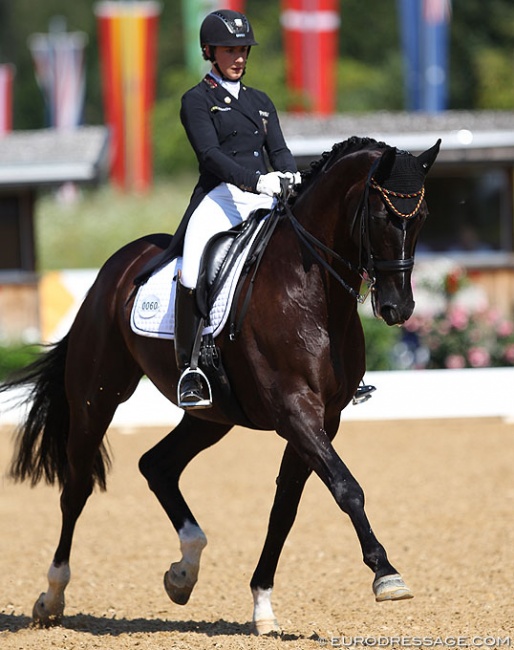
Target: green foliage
x,y
16,356
361,85
172,152
496,80
84,233
380,342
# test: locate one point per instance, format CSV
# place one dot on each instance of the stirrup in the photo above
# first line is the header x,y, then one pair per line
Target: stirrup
x,y
202,402
363,393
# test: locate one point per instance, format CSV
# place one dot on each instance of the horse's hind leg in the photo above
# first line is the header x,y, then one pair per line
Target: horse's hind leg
x,y
290,484
162,466
99,378
81,455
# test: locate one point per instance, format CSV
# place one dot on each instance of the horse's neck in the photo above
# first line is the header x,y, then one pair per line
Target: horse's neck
x,y
324,213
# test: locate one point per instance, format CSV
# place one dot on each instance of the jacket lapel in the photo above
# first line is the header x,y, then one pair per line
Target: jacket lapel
x,y
242,104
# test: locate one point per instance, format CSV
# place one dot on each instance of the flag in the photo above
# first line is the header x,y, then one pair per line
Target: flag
x,y
60,72
436,17
6,85
436,12
311,29
424,26
410,30
128,42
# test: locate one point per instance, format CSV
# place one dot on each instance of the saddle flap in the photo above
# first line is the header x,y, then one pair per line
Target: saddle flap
x,y
219,257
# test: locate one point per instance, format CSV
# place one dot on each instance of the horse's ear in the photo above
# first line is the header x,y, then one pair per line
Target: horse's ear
x,y
385,165
427,158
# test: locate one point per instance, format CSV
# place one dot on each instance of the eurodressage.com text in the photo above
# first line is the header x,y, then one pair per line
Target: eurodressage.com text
x,y
416,642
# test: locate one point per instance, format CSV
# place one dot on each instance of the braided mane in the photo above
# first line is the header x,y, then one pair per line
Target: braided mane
x,y
340,149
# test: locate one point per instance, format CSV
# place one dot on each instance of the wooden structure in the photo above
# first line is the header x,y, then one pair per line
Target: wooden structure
x,y
470,188
29,162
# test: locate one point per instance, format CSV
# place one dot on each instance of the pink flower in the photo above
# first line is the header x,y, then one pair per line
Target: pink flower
x,y
509,353
413,324
458,318
455,361
505,328
479,357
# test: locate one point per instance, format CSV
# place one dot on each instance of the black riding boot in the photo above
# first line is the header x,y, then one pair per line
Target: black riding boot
x,y
193,387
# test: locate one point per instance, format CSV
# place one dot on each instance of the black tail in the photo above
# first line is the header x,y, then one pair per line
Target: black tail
x,y
41,439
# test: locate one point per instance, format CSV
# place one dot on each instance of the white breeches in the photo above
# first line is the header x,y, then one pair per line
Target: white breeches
x,y
225,206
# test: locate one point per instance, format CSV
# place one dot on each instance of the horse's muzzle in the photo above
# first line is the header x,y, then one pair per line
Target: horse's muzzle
x,y
391,313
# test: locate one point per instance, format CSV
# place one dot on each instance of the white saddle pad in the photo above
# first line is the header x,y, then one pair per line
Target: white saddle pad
x,y
153,313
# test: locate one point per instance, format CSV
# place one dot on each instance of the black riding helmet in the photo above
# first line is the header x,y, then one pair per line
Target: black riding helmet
x,y
226,28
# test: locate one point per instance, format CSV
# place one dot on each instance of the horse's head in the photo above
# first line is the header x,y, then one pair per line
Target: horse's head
x,y
392,213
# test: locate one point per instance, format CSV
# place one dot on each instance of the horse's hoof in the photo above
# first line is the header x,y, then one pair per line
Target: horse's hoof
x,y
266,626
42,617
177,588
391,587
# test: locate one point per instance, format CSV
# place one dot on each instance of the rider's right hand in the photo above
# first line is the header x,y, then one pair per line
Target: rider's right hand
x,y
270,183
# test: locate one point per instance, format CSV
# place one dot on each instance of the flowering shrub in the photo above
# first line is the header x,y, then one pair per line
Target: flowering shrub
x,y
455,328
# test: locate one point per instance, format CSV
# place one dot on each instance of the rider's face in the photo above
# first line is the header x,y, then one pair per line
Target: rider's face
x,y
231,61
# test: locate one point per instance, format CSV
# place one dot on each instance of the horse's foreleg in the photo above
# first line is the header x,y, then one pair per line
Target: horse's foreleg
x,y
290,483
316,449
162,466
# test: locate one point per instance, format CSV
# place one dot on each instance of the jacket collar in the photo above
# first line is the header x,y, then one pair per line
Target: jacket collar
x,y
240,104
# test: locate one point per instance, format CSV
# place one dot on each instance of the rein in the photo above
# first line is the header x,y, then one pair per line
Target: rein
x,y
312,243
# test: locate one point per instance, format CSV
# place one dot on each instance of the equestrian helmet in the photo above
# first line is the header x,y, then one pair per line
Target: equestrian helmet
x,y
226,28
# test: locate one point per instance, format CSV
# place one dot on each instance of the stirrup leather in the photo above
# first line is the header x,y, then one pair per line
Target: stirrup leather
x,y
205,402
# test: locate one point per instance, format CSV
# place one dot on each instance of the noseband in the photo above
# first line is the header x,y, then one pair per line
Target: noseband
x,y
365,271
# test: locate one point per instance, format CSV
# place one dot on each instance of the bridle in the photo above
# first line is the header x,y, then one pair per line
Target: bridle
x,y
365,270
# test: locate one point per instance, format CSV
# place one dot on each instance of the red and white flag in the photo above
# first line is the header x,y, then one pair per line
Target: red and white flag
x,y
311,31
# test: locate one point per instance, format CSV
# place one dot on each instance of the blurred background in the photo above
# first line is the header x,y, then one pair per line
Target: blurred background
x,y
93,155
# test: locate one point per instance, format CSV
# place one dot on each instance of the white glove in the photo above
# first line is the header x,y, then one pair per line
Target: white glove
x,y
270,183
294,178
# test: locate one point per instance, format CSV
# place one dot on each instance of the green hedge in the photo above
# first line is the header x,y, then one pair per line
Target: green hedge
x,y
16,356
380,343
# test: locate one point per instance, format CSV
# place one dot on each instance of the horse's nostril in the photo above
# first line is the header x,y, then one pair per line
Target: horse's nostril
x,y
391,315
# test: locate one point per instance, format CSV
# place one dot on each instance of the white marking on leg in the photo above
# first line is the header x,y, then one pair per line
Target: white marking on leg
x,y
264,620
391,587
49,607
192,543
182,576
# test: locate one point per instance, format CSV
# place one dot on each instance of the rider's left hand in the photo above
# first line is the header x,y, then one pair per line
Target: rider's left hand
x,y
294,178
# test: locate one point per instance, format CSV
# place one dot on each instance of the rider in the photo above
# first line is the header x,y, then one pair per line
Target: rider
x,y
235,133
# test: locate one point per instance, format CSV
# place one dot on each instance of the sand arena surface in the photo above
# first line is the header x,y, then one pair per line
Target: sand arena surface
x,y
440,497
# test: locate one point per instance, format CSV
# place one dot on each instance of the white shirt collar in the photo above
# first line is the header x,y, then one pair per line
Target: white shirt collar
x,y
233,87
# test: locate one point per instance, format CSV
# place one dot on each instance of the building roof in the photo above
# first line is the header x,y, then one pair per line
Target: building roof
x,y
467,136
52,157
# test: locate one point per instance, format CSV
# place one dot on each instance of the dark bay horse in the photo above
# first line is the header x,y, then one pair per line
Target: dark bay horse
x,y
295,365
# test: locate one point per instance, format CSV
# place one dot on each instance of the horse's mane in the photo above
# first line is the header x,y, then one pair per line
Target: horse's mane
x,y
340,149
